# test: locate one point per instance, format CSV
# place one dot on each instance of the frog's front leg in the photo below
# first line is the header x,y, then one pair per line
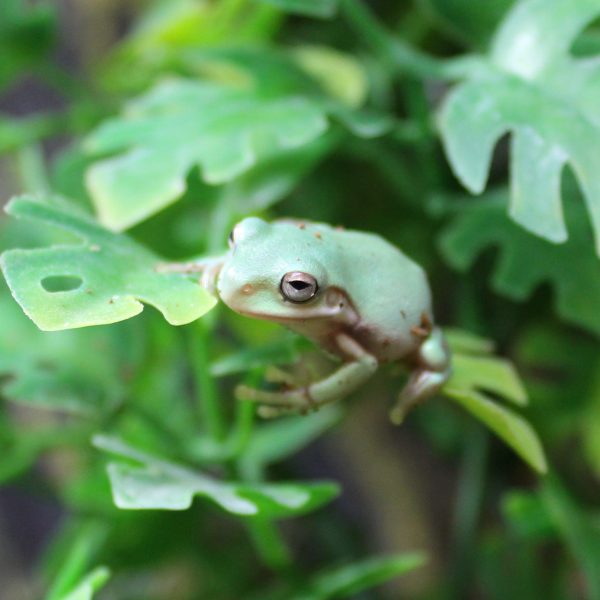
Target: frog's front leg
x,y
359,367
208,267
433,371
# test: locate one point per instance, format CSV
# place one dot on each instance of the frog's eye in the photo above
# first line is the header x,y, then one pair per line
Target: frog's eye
x,y
298,287
231,238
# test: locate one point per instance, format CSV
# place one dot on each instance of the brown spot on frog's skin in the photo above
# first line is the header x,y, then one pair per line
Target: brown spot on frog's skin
x,y
247,289
386,343
301,226
419,331
318,235
424,329
340,228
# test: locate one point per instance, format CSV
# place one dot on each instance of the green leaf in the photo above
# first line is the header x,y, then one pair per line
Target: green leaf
x,y
180,124
581,534
159,484
527,515
488,373
525,261
549,100
466,342
280,352
323,9
275,441
275,177
590,423
467,20
113,275
89,585
82,542
507,425
349,580
54,370
27,34
474,367
341,75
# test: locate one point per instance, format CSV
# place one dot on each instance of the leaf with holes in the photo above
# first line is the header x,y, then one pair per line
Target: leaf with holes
x,y
472,376
102,280
483,224
158,484
549,100
224,130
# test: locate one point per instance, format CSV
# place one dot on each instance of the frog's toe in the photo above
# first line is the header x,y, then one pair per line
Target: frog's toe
x,y
272,412
291,399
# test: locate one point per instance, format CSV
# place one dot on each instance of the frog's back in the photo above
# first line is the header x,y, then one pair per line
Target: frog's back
x,y
388,289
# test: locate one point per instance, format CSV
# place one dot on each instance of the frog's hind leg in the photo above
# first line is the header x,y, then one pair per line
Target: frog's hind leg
x,y
358,368
432,372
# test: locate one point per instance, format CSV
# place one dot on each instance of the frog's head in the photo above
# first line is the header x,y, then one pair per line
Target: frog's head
x,y
279,271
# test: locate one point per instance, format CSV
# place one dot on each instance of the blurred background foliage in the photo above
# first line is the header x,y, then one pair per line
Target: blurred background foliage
x,y
172,119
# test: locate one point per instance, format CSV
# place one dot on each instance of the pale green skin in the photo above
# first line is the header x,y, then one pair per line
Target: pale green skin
x,y
373,306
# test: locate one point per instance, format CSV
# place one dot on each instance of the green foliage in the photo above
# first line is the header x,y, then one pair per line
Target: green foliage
x,y
472,376
204,112
532,87
235,128
483,224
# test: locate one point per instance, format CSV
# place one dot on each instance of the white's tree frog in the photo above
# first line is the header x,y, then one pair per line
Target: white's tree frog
x,y
356,295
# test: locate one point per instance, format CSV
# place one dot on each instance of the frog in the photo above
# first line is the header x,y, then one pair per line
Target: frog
x,y
354,294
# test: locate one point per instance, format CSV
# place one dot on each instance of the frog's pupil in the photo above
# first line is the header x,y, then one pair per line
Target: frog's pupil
x,y
299,285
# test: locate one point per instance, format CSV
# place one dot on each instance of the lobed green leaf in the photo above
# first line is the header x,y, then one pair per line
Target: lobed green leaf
x,y
547,99
225,130
484,224
158,484
114,275
472,376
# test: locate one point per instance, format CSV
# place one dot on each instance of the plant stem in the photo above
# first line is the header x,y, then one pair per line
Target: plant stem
x,y
32,169
468,506
244,421
206,395
269,543
88,538
400,55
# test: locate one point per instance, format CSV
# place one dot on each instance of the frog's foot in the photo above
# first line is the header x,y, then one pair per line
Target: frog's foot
x,y
431,375
360,366
421,385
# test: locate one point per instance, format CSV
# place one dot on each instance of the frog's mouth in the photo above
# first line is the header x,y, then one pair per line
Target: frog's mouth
x,y
301,316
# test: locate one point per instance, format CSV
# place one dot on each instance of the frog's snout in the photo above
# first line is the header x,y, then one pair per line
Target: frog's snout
x,y
233,288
